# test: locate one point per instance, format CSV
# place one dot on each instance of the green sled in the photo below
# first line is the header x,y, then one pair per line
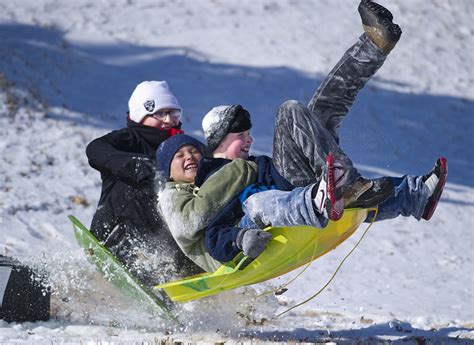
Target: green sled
x,y
114,272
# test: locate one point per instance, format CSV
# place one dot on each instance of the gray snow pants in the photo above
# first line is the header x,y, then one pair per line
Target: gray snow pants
x,y
305,135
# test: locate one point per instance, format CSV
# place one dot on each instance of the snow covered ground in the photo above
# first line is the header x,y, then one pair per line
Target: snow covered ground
x,y
67,69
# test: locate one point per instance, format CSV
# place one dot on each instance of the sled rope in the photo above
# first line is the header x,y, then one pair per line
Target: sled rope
x,y
284,285
336,271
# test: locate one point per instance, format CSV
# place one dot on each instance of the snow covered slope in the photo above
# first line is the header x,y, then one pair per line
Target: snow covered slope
x,y
67,69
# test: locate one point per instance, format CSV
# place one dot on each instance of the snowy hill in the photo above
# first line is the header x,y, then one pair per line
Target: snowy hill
x,y
67,69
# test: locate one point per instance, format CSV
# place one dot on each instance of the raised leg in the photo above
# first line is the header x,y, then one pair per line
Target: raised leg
x,y
301,144
336,94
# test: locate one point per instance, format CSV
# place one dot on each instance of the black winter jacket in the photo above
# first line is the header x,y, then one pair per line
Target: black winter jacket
x,y
127,213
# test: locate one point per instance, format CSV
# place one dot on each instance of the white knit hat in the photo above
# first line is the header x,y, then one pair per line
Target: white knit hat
x,y
149,97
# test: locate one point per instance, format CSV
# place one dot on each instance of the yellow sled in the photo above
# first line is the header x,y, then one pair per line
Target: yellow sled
x,y
290,248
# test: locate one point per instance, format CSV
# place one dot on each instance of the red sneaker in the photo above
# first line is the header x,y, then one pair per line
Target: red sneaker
x,y
435,182
326,201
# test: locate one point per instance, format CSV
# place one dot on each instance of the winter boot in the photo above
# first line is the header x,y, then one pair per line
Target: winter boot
x,y
435,181
364,193
327,199
378,25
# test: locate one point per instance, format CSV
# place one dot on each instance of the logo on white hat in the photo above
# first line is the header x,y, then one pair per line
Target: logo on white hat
x,y
149,105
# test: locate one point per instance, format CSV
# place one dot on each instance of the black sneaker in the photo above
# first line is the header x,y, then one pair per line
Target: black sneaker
x,y
364,193
435,182
378,25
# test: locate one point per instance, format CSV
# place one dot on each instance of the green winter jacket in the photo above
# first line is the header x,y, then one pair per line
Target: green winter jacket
x,y
188,209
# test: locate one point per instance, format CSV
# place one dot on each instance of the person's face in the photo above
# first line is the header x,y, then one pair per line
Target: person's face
x,y
184,165
234,145
163,119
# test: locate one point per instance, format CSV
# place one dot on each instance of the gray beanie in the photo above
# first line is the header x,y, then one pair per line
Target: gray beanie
x,y
222,120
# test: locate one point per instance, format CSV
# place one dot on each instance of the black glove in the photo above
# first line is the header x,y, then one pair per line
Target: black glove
x,y
139,169
252,241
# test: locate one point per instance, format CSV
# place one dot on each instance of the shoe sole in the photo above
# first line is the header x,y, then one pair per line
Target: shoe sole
x,y
336,208
356,193
373,7
378,198
434,199
377,23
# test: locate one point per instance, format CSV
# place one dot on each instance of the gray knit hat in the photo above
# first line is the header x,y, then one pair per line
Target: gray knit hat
x,y
223,120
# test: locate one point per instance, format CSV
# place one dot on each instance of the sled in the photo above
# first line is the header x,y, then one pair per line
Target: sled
x,y
114,272
290,248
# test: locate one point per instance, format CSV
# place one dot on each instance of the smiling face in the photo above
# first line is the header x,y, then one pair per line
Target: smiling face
x,y
184,165
234,145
